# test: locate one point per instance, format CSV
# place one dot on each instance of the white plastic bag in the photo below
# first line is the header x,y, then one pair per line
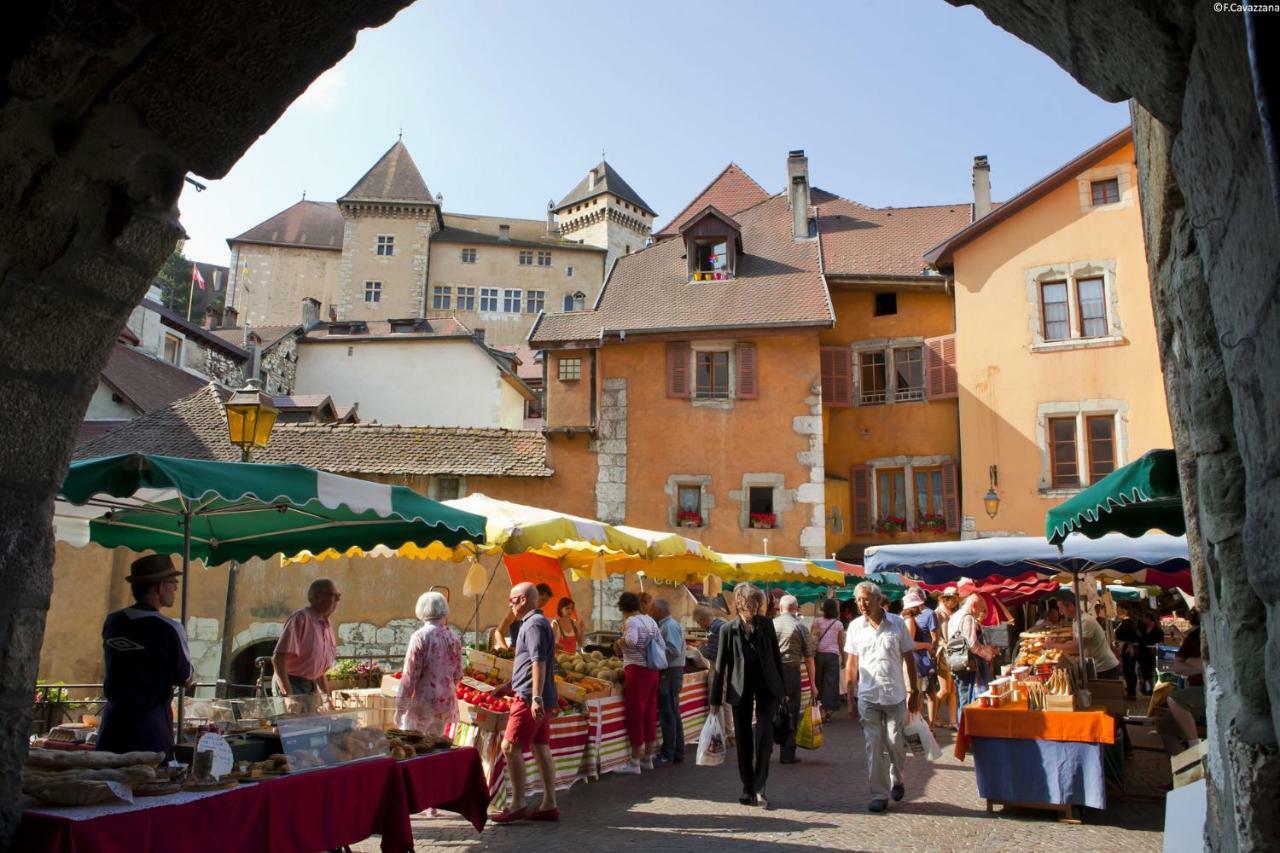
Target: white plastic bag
x,y
919,738
711,746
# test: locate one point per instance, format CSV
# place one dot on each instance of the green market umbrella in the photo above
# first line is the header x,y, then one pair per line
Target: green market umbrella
x,y
1143,495
807,592
221,511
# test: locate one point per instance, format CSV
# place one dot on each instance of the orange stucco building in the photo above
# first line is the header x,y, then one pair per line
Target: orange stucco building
x,y
1056,354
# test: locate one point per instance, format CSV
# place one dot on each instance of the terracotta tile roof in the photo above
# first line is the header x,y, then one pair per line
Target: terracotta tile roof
x,y
310,224
440,327
732,190
941,253
195,427
268,336
607,180
470,228
144,382
89,430
393,178
530,366
778,283
864,241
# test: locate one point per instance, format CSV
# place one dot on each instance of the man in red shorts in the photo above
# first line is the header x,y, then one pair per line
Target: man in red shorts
x,y
533,686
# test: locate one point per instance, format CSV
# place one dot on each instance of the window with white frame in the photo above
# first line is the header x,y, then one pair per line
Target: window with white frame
x,y
373,291
711,375
544,259
172,348
526,259
488,299
908,373
466,299
1080,442
468,256
890,371
386,244
1073,305
873,377
568,272
511,301
441,297
534,301
689,505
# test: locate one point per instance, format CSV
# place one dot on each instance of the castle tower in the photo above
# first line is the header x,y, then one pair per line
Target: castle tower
x,y
388,219
603,210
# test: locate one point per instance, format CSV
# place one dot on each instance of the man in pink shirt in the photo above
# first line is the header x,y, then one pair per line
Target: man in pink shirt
x,y
306,648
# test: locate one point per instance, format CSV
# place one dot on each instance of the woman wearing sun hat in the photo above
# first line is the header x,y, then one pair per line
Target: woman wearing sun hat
x,y
146,657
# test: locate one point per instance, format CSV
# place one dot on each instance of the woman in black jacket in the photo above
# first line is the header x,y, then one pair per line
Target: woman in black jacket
x,y
749,667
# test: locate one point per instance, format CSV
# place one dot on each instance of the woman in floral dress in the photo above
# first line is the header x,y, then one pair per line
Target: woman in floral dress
x,y
432,670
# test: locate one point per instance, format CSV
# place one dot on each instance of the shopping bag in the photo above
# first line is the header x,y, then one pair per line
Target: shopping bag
x,y
919,739
809,735
711,748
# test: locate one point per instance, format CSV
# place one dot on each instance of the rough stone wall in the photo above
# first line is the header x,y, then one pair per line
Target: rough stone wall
x,y
104,107
611,453
223,368
279,366
813,494
1213,244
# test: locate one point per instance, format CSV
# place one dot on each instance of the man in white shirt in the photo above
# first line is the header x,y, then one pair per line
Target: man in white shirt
x,y
1094,643
878,643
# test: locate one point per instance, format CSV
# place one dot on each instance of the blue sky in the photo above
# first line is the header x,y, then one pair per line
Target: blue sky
x,y
505,105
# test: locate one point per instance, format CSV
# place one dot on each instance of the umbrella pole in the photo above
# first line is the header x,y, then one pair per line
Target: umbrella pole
x,y
186,562
1084,674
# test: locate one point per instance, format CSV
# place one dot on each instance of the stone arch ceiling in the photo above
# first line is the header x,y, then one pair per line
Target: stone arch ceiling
x,y
104,107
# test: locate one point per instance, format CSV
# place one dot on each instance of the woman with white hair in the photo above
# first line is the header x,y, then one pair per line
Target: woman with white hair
x,y
748,673
432,670
967,656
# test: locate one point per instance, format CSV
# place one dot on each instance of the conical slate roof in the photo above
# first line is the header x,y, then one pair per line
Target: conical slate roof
x,y
606,181
393,178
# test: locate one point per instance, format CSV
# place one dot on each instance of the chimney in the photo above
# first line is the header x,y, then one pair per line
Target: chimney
x,y
333,314
981,186
551,218
798,192
504,233
591,179
211,318
230,317
310,312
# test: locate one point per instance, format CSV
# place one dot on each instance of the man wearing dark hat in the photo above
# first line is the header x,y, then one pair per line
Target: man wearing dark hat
x,y
146,657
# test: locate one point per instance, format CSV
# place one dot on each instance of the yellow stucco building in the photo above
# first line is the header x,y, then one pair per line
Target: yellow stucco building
x,y
1056,357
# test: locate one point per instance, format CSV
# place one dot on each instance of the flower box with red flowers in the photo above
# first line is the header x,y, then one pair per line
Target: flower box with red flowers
x,y
891,524
932,522
764,520
688,518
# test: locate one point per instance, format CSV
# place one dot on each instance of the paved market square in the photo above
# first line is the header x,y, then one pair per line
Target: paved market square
x,y
817,804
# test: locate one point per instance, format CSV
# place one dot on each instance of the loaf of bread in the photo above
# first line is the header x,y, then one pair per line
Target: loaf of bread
x,y
58,759
82,793
135,774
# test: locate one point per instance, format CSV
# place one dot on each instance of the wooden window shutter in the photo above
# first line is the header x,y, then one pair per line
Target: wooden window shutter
x,y
950,501
678,369
837,376
861,480
940,367
748,371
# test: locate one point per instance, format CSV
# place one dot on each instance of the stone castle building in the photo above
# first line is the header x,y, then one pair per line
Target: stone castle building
x,y
387,250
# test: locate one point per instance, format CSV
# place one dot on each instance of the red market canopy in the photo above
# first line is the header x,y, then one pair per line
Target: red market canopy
x,y
1028,586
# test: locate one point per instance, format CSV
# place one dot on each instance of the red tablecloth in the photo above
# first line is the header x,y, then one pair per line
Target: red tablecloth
x,y
452,780
306,812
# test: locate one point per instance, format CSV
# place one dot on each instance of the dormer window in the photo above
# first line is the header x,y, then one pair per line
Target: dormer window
x,y
409,325
713,243
351,327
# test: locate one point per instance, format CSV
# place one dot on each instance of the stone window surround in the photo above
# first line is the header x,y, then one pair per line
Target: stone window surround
x,y
469,255
1071,273
1122,172
433,486
508,294
1081,409
726,403
783,498
908,464
888,345
672,490
372,291
441,297
384,245
492,294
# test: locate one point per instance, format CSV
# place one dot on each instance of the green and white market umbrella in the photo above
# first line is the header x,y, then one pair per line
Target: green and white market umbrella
x,y
1141,496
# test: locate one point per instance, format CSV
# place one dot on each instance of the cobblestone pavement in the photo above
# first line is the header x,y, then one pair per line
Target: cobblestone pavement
x,y
819,803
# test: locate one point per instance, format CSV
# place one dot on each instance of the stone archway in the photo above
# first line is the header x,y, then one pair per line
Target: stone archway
x,y
104,107
1203,86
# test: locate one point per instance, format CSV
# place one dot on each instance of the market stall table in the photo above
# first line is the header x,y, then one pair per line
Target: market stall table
x,y
307,811
1038,759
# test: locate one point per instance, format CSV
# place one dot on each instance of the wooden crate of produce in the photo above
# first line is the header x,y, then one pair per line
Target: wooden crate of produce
x,y
485,662
482,718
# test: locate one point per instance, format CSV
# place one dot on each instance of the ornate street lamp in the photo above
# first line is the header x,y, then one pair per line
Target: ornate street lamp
x,y
991,500
250,417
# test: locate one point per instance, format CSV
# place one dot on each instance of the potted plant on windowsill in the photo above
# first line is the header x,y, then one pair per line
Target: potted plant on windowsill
x,y
932,522
763,520
891,525
688,518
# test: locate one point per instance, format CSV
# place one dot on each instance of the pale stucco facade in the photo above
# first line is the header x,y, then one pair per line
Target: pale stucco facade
x,y
413,382
1015,383
268,283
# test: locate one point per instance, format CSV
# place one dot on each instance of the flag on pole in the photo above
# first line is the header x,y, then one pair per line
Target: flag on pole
x,y
196,277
